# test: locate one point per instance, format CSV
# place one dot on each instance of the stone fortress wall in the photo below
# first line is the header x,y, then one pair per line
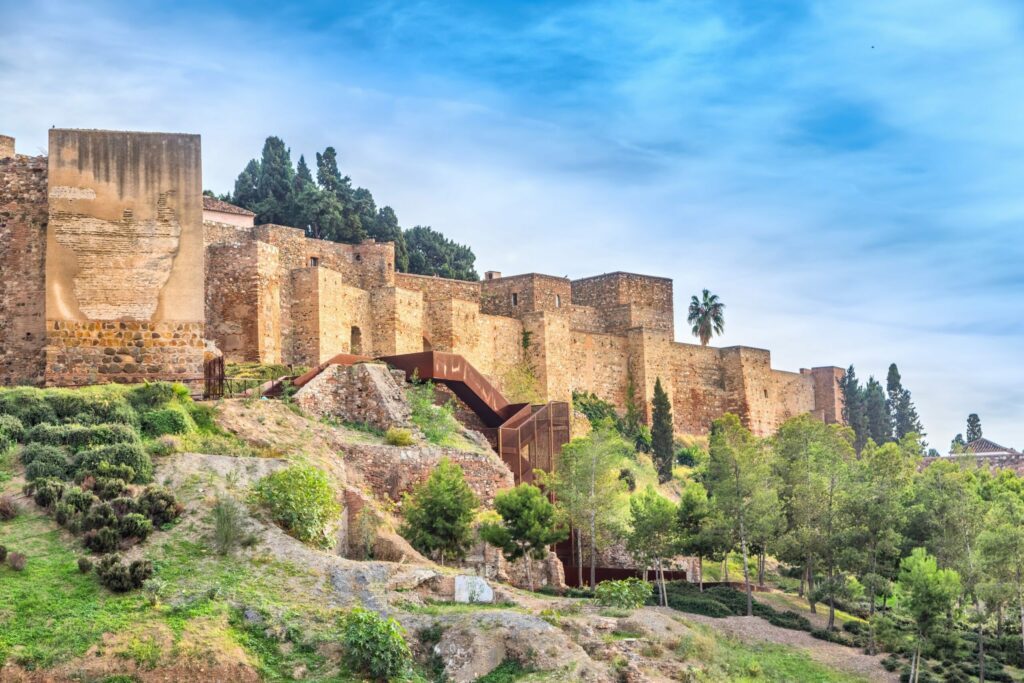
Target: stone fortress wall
x,y
124,276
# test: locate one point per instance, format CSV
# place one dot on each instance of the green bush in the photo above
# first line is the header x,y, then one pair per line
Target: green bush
x,y
204,416
77,437
108,488
228,525
27,404
99,515
159,505
153,395
11,428
125,505
45,492
121,578
628,593
101,541
375,646
170,420
37,450
301,500
64,513
134,525
437,423
105,470
84,565
130,454
46,462
396,436
8,508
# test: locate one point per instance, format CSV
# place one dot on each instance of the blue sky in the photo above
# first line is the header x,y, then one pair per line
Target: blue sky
x,y
846,175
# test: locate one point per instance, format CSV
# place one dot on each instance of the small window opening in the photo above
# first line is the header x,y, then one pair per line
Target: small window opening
x,y
558,300
359,257
314,261
766,393
356,343
515,298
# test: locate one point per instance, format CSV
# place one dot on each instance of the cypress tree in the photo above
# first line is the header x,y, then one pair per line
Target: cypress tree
x,y
973,427
854,410
878,417
246,192
905,419
661,433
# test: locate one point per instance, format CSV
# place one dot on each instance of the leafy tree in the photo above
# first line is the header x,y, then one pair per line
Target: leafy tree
x,y
702,532
653,538
707,316
973,427
662,447
813,462
931,594
529,524
881,491
588,487
385,228
1002,546
854,407
958,445
880,428
247,193
905,419
439,513
431,253
738,468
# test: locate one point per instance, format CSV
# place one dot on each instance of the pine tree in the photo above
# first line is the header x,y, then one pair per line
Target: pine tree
x,y
958,444
854,410
439,514
878,417
905,419
528,525
973,427
662,450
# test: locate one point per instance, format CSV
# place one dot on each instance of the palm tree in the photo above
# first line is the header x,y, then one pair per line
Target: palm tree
x,y
706,316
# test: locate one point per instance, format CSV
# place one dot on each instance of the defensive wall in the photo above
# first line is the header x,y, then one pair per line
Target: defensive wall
x,y
125,272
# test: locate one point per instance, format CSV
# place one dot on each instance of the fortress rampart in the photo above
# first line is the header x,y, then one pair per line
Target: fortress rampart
x,y
121,275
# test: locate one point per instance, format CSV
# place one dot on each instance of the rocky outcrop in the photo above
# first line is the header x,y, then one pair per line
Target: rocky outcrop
x,y
364,393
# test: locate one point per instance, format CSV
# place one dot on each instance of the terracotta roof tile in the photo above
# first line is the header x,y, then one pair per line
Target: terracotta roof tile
x,y
214,204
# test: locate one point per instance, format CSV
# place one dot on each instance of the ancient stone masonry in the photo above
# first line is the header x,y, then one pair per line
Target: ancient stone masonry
x,y
125,258
23,217
127,238
365,393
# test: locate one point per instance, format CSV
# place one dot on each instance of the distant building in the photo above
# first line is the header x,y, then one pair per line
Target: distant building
x,y
983,448
216,211
986,454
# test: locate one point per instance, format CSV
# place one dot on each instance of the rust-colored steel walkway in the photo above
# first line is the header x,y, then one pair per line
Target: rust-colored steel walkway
x,y
527,437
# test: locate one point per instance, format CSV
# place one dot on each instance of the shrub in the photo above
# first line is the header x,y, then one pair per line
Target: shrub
x,y
204,416
123,505
855,627
170,420
45,492
77,437
84,565
436,422
121,578
228,525
16,561
108,488
11,427
99,516
130,454
626,594
3,553
154,588
396,436
152,395
374,645
101,541
134,525
27,404
80,499
43,461
64,513
697,605
300,499
8,508
159,505
105,469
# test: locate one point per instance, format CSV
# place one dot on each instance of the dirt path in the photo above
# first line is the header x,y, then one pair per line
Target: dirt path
x,y
756,629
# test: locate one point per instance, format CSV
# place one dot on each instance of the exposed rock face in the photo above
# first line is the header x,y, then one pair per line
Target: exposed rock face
x,y
366,393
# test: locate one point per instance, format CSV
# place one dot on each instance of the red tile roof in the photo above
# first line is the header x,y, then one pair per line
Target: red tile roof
x,y
213,204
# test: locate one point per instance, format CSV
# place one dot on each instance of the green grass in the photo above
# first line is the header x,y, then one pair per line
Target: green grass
x,y
728,659
439,607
